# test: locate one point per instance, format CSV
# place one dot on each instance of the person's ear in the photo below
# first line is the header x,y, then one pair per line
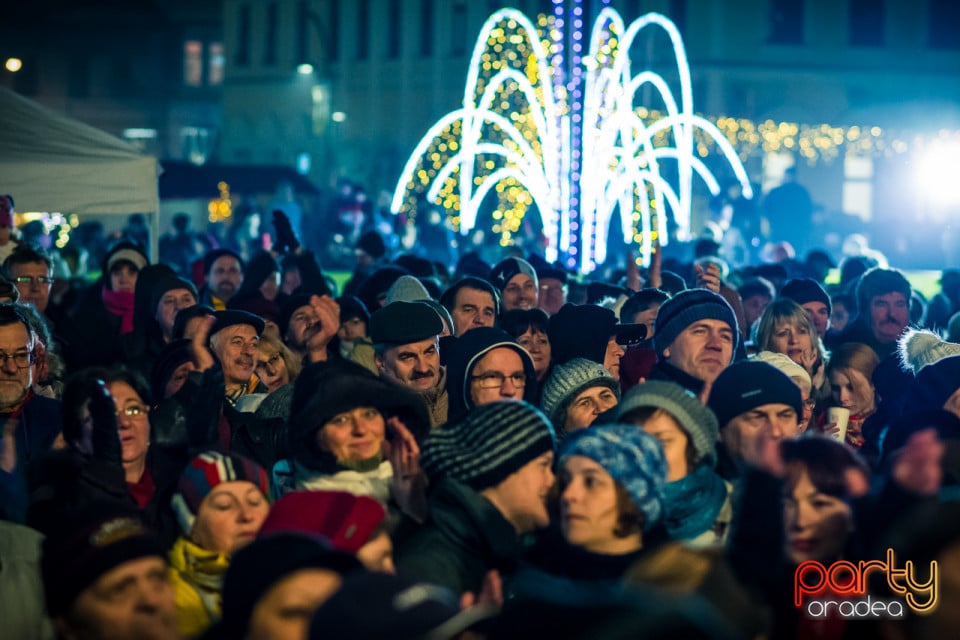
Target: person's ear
x,y
666,353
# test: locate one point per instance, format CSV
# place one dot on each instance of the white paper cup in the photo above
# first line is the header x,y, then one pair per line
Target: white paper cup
x,y
841,416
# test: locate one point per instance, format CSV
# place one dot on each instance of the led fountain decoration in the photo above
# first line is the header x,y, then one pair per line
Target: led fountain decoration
x,y
575,145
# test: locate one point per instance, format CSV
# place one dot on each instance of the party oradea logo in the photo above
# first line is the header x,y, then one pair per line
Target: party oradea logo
x,y
841,589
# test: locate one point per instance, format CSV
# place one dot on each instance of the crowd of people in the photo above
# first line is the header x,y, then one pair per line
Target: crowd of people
x,y
237,447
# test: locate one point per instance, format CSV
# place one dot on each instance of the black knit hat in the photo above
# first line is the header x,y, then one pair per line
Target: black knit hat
x,y
403,323
372,244
91,542
494,441
256,568
804,290
168,282
172,355
186,315
230,317
687,307
215,254
350,307
546,269
374,289
750,384
505,270
290,307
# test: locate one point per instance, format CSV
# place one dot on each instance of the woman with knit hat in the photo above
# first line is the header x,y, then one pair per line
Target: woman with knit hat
x,y
351,431
576,393
698,508
105,309
610,481
221,503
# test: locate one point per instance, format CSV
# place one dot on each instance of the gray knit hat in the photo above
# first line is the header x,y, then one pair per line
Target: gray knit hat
x,y
494,441
698,421
685,308
406,289
567,381
505,270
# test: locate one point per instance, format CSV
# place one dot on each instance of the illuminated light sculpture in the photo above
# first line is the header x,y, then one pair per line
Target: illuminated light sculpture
x,y
578,148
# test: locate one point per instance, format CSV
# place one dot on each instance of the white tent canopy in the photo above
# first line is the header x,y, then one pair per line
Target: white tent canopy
x,y
49,162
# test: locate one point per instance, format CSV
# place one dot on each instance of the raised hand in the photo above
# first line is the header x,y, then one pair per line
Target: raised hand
x,y
708,276
409,482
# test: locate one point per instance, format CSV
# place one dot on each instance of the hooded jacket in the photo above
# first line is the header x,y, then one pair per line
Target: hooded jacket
x,y
463,355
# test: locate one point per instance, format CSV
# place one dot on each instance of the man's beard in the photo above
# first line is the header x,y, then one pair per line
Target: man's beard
x,y
12,391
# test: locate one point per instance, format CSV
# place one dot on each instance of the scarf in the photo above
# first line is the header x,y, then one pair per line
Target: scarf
x,y
120,303
693,503
203,570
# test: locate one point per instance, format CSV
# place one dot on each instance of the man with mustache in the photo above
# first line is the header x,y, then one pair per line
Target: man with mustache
x,y
405,338
234,338
883,301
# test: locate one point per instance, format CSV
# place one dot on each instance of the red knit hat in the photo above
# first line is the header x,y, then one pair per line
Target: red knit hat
x,y
346,520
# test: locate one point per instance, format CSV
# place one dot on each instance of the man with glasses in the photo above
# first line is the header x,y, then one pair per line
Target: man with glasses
x,y
486,365
32,272
29,424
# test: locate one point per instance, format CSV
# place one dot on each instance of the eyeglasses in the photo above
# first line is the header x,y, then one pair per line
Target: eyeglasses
x,y
271,362
809,403
22,359
133,411
32,279
495,380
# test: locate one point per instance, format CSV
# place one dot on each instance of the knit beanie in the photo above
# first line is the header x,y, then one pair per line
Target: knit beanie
x,y
290,307
750,384
350,308
786,365
920,347
567,381
344,519
373,290
257,567
804,290
631,457
125,252
494,441
168,282
698,421
504,271
687,307
205,472
936,383
408,289
212,256
404,322
184,316
88,544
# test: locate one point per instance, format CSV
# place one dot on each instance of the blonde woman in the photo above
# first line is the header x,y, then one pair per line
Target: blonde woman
x,y
786,327
276,365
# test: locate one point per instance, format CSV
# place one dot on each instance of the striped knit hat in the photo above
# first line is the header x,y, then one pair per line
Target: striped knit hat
x,y
492,442
205,472
567,381
687,307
